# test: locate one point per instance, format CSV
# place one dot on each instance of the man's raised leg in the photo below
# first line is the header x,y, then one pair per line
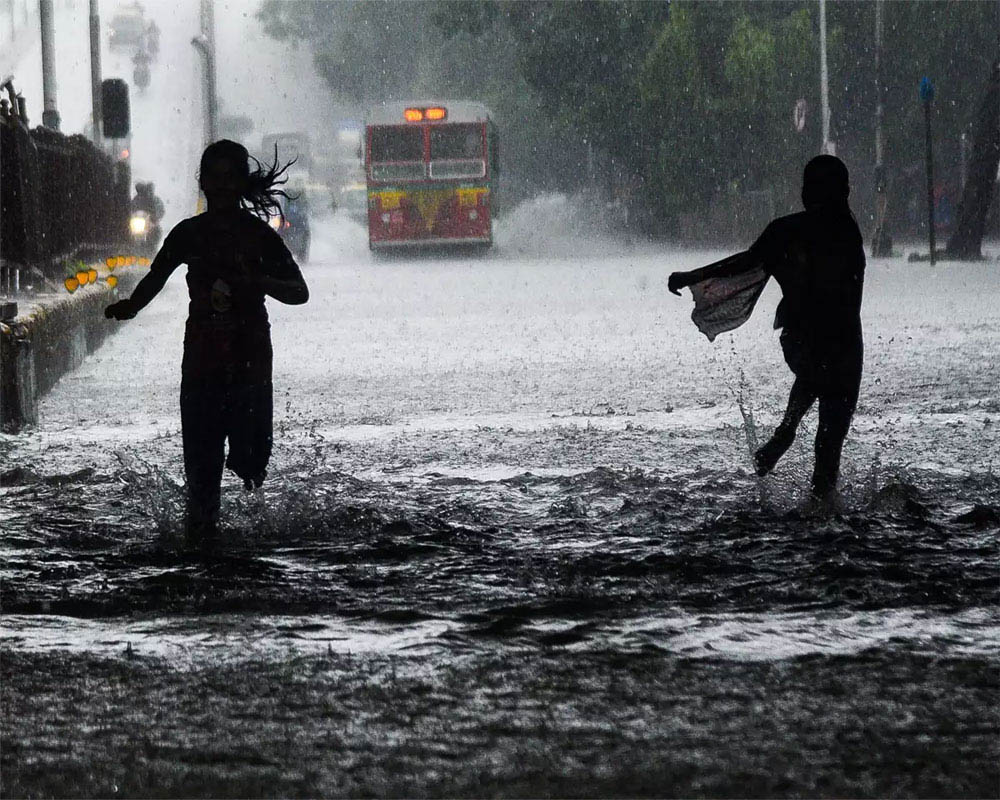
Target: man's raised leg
x,y
800,399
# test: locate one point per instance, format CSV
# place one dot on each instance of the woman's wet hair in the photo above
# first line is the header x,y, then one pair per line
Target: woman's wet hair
x,y
825,182
261,186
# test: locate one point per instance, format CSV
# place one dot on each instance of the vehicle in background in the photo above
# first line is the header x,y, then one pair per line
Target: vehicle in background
x,y
140,69
153,39
342,156
292,224
352,200
343,170
144,233
128,26
431,171
146,213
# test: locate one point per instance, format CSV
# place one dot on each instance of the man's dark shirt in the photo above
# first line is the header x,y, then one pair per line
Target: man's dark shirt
x,y
818,260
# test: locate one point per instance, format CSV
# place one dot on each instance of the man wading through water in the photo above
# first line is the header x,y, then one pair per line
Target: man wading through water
x,y
234,260
818,260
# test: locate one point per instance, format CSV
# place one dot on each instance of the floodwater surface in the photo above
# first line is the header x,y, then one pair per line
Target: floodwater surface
x,y
531,449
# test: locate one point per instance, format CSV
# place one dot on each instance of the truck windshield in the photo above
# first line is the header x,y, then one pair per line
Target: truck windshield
x,y
397,144
456,142
457,152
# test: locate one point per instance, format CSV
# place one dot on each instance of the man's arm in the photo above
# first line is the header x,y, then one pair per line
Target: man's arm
x,y
726,268
762,253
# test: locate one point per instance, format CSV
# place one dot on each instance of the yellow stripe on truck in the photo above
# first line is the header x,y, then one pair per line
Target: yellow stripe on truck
x,y
469,197
389,200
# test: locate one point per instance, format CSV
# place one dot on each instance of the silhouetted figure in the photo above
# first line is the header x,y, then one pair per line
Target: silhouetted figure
x,y
817,258
234,261
153,39
146,200
140,71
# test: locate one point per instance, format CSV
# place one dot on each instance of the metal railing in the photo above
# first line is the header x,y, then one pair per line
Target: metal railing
x,y
61,199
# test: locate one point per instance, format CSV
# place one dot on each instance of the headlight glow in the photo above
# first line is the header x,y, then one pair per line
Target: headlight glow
x,y
137,225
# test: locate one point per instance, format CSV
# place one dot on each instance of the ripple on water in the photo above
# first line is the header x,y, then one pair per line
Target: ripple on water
x,y
740,637
579,551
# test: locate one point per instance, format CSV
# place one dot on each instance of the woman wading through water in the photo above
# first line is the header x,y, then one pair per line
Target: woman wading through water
x,y
234,261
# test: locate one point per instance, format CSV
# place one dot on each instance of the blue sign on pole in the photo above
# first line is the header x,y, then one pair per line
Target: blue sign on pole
x,y
926,89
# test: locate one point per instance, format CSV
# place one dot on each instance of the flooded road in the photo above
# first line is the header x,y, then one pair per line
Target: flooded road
x,y
510,543
527,450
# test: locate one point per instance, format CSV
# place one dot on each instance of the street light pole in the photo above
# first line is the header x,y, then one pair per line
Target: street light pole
x,y
996,184
204,43
927,96
824,81
881,241
95,70
50,114
203,47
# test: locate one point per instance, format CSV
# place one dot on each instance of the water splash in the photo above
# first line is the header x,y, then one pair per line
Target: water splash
x,y
744,401
151,488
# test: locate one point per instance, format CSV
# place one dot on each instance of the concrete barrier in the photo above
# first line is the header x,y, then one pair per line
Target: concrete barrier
x,y
52,335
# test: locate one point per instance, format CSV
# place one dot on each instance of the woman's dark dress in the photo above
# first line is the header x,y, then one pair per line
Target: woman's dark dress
x,y
226,371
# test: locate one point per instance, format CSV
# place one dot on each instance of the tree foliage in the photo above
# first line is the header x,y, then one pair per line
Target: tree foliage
x,y
694,99
371,52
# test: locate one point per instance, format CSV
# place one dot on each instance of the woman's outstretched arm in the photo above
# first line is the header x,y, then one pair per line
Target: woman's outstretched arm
x,y
166,262
144,291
